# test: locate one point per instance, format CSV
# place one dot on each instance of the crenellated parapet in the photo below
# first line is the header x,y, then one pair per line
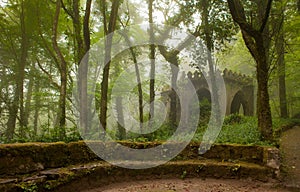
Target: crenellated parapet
x,y
228,75
237,77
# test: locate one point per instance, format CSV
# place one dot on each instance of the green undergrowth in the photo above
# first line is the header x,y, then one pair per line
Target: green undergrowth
x,y
241,129
236,129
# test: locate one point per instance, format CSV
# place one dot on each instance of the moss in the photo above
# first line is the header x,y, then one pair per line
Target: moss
x,y
30,157
28,187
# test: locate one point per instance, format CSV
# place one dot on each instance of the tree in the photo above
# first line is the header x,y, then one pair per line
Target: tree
x,y
140,91
255,42
109,28
63,72
208,39
81,26
19,33
152,67
280,49
183,16
291,56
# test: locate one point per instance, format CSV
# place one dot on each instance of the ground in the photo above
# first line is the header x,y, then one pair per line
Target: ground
x,y
290,147
191,185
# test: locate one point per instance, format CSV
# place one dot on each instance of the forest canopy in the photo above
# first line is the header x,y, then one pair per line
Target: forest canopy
x,y
43,47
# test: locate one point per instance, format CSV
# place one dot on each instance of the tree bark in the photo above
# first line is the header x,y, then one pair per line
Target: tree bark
x,y
21,69
63,74
212,76
172,58
108,45
36,108
18,101
121,134
152,67
79,54
279,46
28,102
82,47
254,40
11,122
138,80
263,105
173,94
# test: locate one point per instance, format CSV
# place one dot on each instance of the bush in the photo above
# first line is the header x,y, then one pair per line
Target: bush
x,y
236,129
234,119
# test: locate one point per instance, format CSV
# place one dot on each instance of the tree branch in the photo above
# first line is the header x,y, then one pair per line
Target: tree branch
x,y
86,27
48,74
66,10
238,15
54,36
103,7
266,16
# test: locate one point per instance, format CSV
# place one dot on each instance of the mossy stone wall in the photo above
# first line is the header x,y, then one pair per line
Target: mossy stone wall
x,y
31,157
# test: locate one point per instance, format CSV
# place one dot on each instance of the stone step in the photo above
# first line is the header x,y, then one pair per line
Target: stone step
x,y
101,173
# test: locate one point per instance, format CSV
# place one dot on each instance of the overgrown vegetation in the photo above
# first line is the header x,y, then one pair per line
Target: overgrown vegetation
x,y
237,129
41,69
241,129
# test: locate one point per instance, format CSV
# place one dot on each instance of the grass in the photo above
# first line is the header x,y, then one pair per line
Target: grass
x,y
239,129
236,129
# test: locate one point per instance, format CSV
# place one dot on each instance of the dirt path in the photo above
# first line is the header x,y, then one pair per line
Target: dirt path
x,y
191,185
290,146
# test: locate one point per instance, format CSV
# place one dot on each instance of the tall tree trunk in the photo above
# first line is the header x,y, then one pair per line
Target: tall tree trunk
x,y
173,94
279,46
262,4
36,108
63,74
21,68
79,54
28,102
138,80
82,47
87,45
263,105
172,57
254,40
107,60
152,67
62,101
18,101
121,133
11,122
209,45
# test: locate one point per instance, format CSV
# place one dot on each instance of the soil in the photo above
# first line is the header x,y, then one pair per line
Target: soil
x,y
192,185
290,147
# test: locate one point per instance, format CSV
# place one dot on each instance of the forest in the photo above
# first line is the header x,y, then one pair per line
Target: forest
x,y
54,88
153,95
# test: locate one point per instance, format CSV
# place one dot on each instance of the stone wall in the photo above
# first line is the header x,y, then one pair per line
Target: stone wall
x,y
32,157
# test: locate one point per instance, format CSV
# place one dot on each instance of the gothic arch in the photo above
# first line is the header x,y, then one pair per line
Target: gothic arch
x,y
239,102
204,93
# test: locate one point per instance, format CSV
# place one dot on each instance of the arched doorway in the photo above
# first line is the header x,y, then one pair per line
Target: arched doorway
x,y
204,98
239,104
203,94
